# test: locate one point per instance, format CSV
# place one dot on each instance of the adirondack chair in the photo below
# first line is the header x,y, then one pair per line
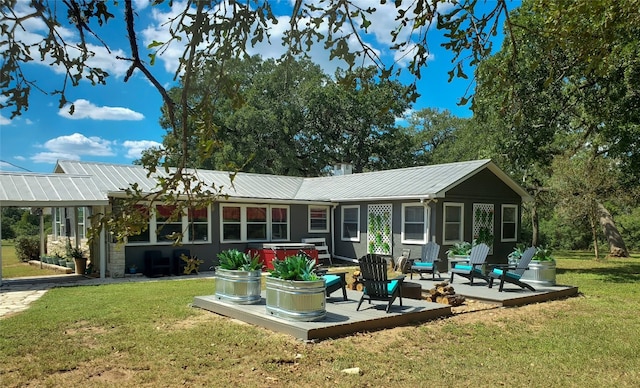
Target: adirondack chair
x,y
377,286
512,274
335,282
428,260
473,267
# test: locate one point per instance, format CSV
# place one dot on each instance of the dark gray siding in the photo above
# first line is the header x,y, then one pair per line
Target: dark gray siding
x,y
483,187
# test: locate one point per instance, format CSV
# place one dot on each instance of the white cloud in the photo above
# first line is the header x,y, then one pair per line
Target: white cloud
x,y
53,157
86,110
4,120
135,148
73,147
35,30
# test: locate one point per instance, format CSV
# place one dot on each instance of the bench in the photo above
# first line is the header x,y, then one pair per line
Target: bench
x,y
321,247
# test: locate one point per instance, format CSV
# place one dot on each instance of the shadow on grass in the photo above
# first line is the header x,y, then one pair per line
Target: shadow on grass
x,y
629,273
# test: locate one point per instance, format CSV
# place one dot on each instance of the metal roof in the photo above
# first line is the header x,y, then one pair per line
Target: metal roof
x,y
46,190
412,182
90,183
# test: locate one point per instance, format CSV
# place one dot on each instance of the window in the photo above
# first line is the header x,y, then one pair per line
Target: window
x,y
199,224
163,223
318,219
59,222
453,223
279,223
168,224
81,222
144,236
509,222
254,223
351,223
415,223
231,223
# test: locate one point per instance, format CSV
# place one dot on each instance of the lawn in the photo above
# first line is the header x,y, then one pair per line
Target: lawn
x,y
146,334
13,267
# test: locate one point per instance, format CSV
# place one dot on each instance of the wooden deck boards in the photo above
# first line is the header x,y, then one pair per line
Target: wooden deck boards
x,y
343,319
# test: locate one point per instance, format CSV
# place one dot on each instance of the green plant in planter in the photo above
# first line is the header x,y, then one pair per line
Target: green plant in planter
x,y
298,267
233,259
543,254
460,249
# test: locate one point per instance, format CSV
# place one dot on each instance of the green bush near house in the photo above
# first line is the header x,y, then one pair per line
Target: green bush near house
x,y
27,247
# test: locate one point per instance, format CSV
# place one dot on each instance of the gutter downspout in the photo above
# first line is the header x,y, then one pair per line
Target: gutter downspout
x,y
332,229
426,202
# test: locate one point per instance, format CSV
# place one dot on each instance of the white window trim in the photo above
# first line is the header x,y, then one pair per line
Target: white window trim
x,y
243,222
515,221
270,222
326,209
153,236
444,222
425,231
342,238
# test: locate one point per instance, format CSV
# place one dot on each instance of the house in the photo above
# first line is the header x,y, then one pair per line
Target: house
x,y
382,212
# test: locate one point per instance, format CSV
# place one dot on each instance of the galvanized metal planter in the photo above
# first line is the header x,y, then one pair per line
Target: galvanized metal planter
x,y
296,300
540,272
239,287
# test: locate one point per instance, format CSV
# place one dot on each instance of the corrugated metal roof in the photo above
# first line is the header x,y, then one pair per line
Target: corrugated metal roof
x,y
413,182
116,177
417,182
43,190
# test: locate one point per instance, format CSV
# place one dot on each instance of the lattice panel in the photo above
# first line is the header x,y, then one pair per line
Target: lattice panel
x,y
483,216
379,229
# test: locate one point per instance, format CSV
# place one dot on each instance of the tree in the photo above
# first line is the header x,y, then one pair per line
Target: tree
x,y
544,95
436,135
352,118
582,183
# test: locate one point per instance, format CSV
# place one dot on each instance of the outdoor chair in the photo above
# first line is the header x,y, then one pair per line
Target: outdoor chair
x,y
428,261
472,268
377,286
335,282
513,273
402,263
178,263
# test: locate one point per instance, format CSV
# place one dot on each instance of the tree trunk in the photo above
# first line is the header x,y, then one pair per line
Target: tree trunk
x,y
594,236
617,247
535,224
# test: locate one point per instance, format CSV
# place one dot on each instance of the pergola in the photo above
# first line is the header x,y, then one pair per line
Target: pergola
x,y
36,190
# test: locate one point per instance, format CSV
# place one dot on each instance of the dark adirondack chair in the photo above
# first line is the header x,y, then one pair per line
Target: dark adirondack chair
x,y
428,260
472,268
335,282
512,274
377,286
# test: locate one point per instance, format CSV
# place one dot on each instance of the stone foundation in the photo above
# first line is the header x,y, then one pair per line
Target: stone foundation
x,y
116,264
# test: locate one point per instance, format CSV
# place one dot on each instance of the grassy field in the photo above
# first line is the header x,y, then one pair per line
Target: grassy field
x,y
13,267
146,334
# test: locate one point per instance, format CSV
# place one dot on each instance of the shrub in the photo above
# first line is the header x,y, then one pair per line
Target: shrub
x,y
233,259
28,247
296,267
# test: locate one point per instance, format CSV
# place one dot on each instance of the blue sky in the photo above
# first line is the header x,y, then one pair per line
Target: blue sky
x,y
113,123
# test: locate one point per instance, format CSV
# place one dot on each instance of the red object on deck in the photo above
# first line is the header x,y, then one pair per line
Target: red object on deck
x,y
270,252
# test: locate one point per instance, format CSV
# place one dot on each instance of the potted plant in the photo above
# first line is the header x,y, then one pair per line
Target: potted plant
x,y
133,269
238,277
81,262
542,268
294,291
459,251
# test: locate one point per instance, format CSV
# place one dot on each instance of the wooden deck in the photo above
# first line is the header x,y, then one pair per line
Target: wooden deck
x,y
343,319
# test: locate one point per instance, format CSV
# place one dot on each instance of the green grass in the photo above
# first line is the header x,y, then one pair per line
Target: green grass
x,y
146,334
13,267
